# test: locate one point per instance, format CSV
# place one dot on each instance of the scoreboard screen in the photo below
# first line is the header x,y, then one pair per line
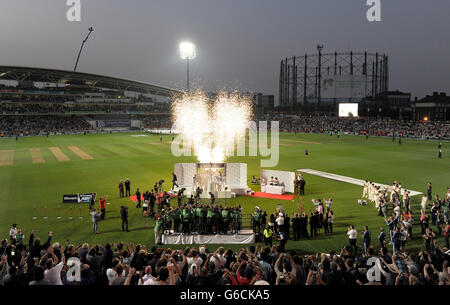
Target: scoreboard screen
x,y
348,110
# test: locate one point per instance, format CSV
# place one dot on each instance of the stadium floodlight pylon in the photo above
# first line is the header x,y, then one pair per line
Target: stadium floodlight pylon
x,y
91,29
187,52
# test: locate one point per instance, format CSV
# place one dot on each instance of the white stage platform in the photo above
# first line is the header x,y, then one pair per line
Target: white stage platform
x,y
232,176
286,180
243,237
272,189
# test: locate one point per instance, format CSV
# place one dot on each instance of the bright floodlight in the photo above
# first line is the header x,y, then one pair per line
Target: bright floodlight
x,y
187,50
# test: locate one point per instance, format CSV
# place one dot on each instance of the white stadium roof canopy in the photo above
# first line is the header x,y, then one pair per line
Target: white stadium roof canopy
x,y
43,75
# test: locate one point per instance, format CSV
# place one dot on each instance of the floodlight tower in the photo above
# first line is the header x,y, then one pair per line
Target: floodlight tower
x,y
91,29
187,52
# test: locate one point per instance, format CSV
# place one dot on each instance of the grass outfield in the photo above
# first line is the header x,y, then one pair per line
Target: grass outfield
x,y
40,174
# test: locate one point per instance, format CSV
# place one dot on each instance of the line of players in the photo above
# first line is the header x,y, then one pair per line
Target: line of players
x,y
379,195
200,218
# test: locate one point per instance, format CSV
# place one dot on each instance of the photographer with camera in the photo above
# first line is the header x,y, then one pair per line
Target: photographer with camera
x,y
160,183
180,196
198,193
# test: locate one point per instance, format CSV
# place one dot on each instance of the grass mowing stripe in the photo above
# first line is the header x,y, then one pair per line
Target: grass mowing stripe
x,y
47,154
6,157
36,156
72,156
59,155
132,149
80,153
103,151
22,156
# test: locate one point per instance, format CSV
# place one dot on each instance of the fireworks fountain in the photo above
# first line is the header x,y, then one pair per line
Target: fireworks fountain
x,y
212,128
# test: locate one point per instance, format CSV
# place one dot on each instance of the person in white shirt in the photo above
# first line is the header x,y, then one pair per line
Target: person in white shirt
x,y
404,237
330,220
276,181
423,204
393,188
219,254
194,258
352,235
53,272
271,180
13,232
263,182
329,203
397,211
319,208
111,272
147,278
365,189
377,200
280,220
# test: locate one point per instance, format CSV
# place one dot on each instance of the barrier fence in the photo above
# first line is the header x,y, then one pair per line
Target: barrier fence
x,y
71,212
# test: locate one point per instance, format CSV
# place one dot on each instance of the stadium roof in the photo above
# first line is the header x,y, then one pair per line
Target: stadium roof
x,y
43,75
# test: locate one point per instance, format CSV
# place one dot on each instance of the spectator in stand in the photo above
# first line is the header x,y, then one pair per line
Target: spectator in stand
x,y
53,266
135,265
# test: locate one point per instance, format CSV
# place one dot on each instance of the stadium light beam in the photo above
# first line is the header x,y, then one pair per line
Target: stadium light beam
x,y
82,45
187,52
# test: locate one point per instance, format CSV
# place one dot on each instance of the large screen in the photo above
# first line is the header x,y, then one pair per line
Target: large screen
x,y
348,109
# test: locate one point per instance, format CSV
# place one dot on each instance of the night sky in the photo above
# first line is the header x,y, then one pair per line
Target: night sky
x,y
239,42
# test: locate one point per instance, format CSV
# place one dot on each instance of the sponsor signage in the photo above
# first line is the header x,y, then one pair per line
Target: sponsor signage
x,y
79,198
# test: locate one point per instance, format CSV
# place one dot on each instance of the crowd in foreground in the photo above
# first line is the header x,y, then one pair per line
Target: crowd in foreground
x,y
51,263
30,261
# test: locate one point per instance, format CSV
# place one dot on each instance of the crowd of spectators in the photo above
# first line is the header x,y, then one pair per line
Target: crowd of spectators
x,y
51,263
60,108
359,126
161,121
41,125
26,125
27,261
288,122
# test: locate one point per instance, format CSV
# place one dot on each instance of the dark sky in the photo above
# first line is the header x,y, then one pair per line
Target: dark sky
x,y
239,42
